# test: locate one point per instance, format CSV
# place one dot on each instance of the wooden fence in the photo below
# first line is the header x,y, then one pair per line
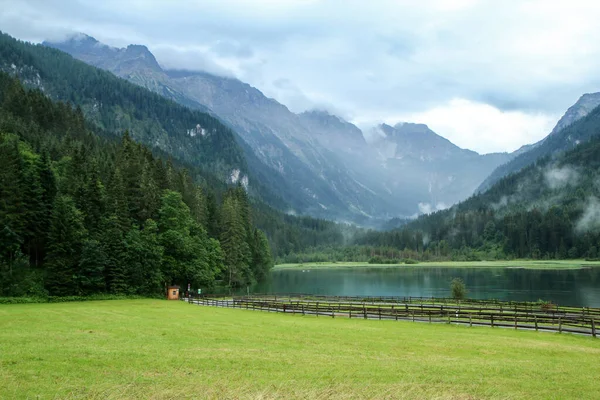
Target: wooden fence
x,y
516,315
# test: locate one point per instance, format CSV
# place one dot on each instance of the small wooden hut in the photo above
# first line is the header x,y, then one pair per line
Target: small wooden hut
x,y
173,293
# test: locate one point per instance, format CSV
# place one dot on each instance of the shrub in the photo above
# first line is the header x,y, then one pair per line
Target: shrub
x,y
410,261
546,305
458,289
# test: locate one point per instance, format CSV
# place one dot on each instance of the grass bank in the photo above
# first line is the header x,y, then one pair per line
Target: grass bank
x,y
159,349
530,264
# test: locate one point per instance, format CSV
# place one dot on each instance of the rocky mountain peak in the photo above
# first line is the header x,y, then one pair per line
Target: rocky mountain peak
x,y
580,109
414,127
140,53
81,40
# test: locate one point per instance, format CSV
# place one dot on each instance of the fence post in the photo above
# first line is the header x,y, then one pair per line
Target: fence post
x,y
303,309
365,310
413,313
593,328
380,313
559,324
492,317
470,320
515,321
350,313
429,316
536,325
317,308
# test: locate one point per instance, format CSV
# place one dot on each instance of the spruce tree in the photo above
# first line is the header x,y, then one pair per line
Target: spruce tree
x,y
262,260
92,266
65,239
235,247
93,201
112,239
149,194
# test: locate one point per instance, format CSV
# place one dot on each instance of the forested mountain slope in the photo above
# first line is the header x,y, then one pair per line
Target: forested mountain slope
x,y
547,210
82,214
114,105
568,133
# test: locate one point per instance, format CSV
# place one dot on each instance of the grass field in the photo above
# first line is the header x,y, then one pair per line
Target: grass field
x,y
163,350
531,264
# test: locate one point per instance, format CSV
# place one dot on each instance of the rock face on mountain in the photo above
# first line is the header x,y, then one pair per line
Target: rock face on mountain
x,y
332,170
561,138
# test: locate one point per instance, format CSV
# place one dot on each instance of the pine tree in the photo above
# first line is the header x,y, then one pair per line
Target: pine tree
x,y
262,260
130,166
213,224
92,266
112,239
12,204
235,247
93,202
65,239
117,202
150,194
13,263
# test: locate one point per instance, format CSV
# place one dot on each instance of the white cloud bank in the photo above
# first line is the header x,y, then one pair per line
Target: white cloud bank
x,y
489,75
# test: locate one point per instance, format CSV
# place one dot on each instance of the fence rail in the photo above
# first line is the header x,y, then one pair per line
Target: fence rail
x,y
531,316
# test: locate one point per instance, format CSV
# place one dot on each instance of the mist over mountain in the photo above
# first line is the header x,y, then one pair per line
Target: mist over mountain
x,y
563,137
407,170
440,171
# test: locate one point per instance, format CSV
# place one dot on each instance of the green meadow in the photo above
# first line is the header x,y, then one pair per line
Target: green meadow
x,y
155,349
530,264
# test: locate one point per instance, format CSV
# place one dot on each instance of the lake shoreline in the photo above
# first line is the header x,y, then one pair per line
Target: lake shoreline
x,y
525,264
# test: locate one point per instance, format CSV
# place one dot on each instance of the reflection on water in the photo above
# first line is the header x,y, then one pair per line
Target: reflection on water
x,y
576,287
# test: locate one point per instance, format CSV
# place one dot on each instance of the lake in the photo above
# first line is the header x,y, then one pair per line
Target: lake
x,y
574,287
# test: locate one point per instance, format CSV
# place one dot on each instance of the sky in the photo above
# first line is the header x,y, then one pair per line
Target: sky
x,y
488,75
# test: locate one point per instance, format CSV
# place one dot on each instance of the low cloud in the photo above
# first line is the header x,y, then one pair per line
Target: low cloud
x,y
427,208
590,219
558,178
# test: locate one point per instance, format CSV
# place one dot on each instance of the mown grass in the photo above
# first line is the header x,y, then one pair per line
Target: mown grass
x,y
159,349
529,264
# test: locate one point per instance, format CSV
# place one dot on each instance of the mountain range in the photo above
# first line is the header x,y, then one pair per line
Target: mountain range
x,y
333,171
541,201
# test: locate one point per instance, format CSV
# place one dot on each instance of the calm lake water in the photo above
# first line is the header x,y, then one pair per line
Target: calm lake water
x,y
576,287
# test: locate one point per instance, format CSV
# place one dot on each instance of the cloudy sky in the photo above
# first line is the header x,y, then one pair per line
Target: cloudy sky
x,y
488,75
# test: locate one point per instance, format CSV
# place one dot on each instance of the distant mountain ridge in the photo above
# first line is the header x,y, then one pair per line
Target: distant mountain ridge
x,y
333,171
451,173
